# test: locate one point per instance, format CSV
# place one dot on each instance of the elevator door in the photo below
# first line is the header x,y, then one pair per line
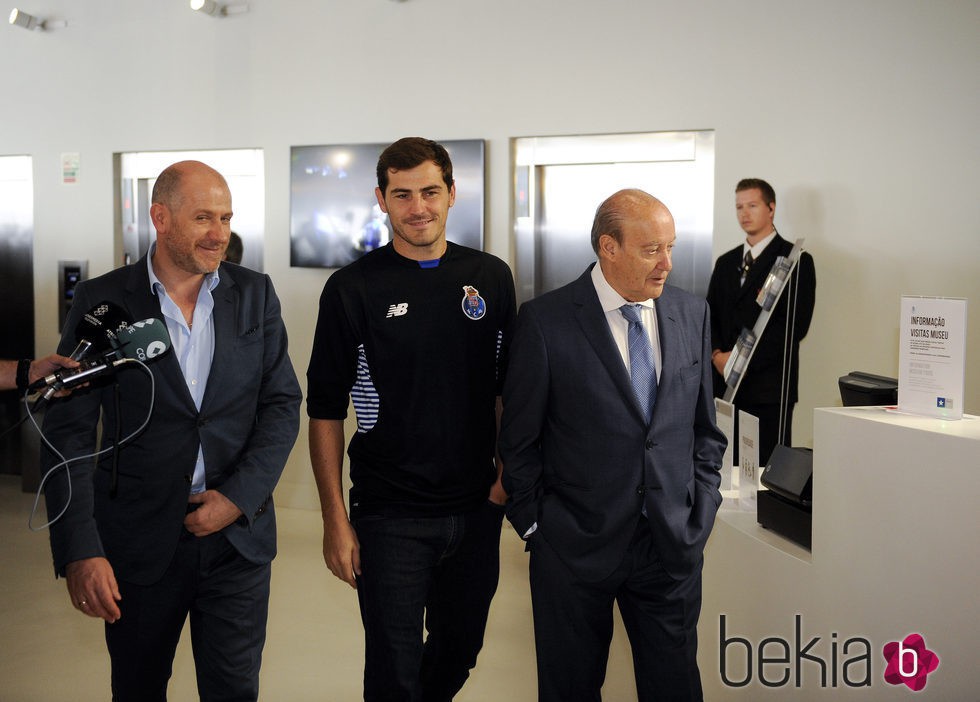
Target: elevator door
x,y
562,180
17,292
244,171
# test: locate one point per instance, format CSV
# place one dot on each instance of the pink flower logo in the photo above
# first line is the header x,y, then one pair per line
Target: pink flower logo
x,y
909,662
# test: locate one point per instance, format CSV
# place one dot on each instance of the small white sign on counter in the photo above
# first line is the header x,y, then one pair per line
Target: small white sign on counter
x,y
725,419
749,473
932,356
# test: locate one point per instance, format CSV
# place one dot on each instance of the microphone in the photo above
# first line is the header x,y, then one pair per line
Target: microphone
x,y
94,332
142,341
97,327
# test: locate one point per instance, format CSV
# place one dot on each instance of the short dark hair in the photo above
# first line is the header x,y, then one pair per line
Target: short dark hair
x,y
768,194
409,152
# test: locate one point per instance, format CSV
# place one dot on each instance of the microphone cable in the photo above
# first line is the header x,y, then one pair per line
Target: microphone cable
x,y
39,402
67,462
14,425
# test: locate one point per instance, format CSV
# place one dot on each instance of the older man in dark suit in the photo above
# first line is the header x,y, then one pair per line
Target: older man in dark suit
x,y
611,457
178,519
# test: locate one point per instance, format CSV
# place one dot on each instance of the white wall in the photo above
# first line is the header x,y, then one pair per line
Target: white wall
x,y
862,113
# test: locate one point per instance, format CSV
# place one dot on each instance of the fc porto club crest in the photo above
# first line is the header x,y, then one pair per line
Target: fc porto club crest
x,y
474,306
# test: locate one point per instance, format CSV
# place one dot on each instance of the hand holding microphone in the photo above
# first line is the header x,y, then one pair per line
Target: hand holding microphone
x,y
142,341
48,365
18,375
94,332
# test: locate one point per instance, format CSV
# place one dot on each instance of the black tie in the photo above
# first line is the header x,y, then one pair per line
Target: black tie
x,y
746,264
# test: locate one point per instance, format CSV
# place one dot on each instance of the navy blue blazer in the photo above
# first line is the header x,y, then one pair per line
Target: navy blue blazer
x,y
579,458
247,425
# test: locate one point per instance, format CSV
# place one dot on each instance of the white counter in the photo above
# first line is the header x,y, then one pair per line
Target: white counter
x,y
896,520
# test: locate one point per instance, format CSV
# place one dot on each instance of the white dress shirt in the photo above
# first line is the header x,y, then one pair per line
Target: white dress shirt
x,y
611,301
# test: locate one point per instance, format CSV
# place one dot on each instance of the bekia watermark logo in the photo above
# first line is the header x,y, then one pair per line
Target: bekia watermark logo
x,y
815,662
909,662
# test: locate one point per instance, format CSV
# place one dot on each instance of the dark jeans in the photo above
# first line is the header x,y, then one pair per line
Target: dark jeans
x,y
573,625
227,598
440,571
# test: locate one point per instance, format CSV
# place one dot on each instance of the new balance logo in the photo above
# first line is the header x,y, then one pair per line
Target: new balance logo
x,y
397,310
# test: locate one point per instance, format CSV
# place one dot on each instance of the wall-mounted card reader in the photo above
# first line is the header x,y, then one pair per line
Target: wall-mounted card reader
x,y
70,274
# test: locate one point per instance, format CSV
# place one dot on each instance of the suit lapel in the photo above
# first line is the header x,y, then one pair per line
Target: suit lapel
x,y
592,320
143,303
671,343
225,315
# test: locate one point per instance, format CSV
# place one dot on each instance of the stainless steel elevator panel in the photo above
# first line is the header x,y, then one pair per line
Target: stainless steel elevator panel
x,y
560,181
17,293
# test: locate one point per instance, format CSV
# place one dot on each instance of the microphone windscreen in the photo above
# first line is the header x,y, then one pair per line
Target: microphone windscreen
x,y
143,340
100,323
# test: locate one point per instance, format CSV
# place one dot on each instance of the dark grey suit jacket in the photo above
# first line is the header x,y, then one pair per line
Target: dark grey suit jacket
x,y
579,459
247,425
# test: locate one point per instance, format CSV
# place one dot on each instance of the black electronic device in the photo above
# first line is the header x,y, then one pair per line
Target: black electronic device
x,y
790,473
786,506
790,520
70,274
859,389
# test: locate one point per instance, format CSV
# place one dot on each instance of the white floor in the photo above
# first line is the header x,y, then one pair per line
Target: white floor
x,y
50,652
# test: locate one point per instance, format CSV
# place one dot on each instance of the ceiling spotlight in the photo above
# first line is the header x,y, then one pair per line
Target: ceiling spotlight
x,y
22,19
215,9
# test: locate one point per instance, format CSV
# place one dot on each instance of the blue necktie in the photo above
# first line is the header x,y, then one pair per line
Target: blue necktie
x,y
643,371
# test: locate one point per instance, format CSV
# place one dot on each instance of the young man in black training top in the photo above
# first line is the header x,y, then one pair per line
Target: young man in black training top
x,y
415,333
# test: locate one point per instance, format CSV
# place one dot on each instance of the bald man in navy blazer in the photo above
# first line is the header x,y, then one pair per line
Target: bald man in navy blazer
x,y
614,507
184,523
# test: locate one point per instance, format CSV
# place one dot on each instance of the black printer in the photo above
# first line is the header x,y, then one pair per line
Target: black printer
x,y
785,506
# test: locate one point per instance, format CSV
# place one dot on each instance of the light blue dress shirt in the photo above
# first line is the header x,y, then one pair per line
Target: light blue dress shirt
x,y
194,345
